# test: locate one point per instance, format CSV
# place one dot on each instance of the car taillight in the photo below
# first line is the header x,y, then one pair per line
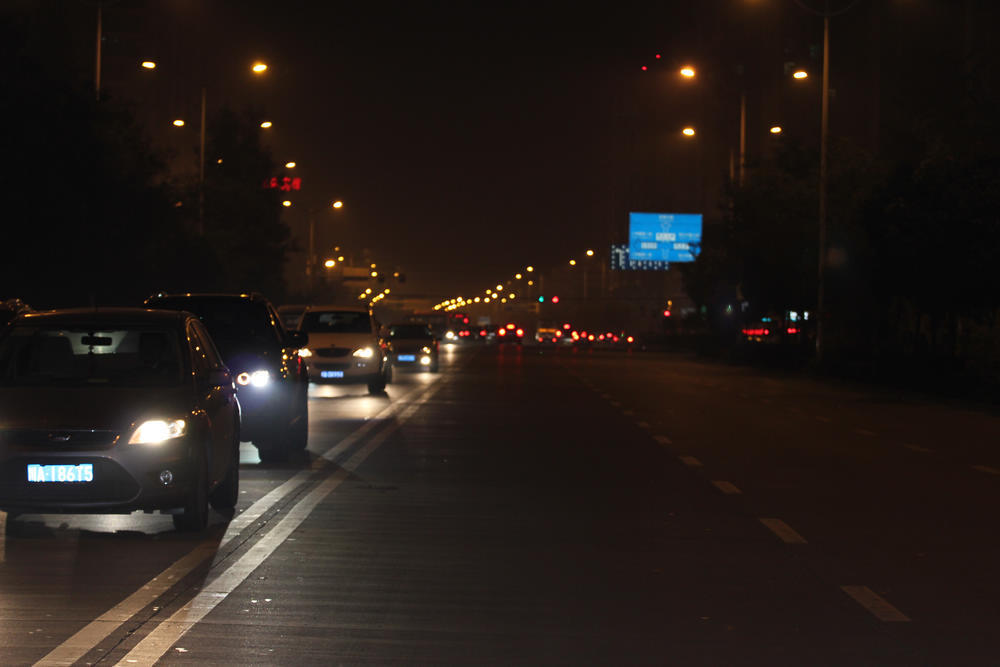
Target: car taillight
x,y
482,333
520,333
502,332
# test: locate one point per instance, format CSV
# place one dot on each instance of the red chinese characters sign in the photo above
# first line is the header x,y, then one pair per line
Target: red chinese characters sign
x,y
284,183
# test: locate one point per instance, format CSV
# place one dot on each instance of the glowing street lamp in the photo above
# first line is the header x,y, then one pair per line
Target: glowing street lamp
x,y
266,124
178,123
800,74
572,262
259,68
687,72
337,204
330,263
286,203
590,253
289,165
777,129
148,64
688,132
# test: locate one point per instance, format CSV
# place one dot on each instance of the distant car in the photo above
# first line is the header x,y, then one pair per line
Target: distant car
x,y
291,315
271,379
510,334
345,347
413,345
548,335
116,410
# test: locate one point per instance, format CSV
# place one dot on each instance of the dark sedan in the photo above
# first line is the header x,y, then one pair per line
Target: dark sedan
x,y
116,410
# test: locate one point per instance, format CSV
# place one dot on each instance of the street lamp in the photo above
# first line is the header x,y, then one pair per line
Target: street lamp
x,y
311,259
687,72
800,74
777,129
148,64
289,165
688,132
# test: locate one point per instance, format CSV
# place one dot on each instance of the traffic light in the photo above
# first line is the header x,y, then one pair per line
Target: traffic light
x,y
555,299
666,313
541,299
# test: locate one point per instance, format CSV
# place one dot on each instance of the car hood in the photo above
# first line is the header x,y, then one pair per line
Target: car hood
x,y
412,342
99,408
351,340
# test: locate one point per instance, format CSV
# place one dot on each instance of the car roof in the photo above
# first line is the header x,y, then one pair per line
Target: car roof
x,y
107,316
347,308
209,296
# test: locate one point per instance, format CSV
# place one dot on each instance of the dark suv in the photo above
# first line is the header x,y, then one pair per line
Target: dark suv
x,y
271,379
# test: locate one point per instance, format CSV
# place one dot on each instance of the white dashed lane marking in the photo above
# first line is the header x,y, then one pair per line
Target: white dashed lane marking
x,y
662,439
864,431
628,413
642,424
918,448
690,461
616,404
987,469
726,487
784,532
876,604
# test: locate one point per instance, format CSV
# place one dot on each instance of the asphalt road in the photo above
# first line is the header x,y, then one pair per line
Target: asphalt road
x,y
529,506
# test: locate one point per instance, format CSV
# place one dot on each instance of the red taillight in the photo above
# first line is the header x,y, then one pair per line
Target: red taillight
x,y
482,332
601,337
615,338
558,333
511,326
567,326
792,330
502,332
767,332
520,332
630,339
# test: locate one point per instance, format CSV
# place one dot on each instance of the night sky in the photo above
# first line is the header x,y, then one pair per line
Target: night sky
x,y
470,139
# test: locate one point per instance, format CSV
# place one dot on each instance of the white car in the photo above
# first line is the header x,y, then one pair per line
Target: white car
x,y
345,347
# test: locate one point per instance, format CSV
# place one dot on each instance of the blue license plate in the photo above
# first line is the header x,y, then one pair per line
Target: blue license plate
x,y
407,357
331,374
83,472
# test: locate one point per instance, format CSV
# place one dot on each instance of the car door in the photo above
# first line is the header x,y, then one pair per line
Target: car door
x,y
216,397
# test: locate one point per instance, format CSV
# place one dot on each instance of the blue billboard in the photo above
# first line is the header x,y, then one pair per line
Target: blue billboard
x,y
663,237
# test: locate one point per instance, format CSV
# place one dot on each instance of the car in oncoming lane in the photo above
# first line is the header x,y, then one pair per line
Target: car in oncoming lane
x,y
271,379
116,410
413,345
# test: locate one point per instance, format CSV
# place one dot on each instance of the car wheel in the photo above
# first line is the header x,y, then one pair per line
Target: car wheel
x,y
376,388
272,449
298,438
194,516
225,495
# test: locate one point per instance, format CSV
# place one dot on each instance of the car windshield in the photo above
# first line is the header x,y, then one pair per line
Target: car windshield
x,y
336,321
410,331
90,355
234,325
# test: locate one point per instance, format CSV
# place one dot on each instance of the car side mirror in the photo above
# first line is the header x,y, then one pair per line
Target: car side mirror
x,y
220,377
298,339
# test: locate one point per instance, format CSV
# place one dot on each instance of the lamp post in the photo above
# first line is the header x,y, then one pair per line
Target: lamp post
x,y
311,258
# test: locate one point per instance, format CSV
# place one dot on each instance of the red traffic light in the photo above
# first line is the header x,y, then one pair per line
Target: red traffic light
x,y
555,299
666,313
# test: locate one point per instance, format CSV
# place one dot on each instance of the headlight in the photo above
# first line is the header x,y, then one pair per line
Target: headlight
x,y
364,352
450,335
257,378
157,431
426,361
305,353
425,350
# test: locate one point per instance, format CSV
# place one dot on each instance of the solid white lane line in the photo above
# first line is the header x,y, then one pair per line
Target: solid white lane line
x,y
783,531
876,604
987,469
166,634
864,431
662,439
88,637
3,533
690,461
918,448
726,487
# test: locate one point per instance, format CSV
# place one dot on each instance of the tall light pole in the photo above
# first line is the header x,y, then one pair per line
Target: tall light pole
x,y
311,257
824,126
